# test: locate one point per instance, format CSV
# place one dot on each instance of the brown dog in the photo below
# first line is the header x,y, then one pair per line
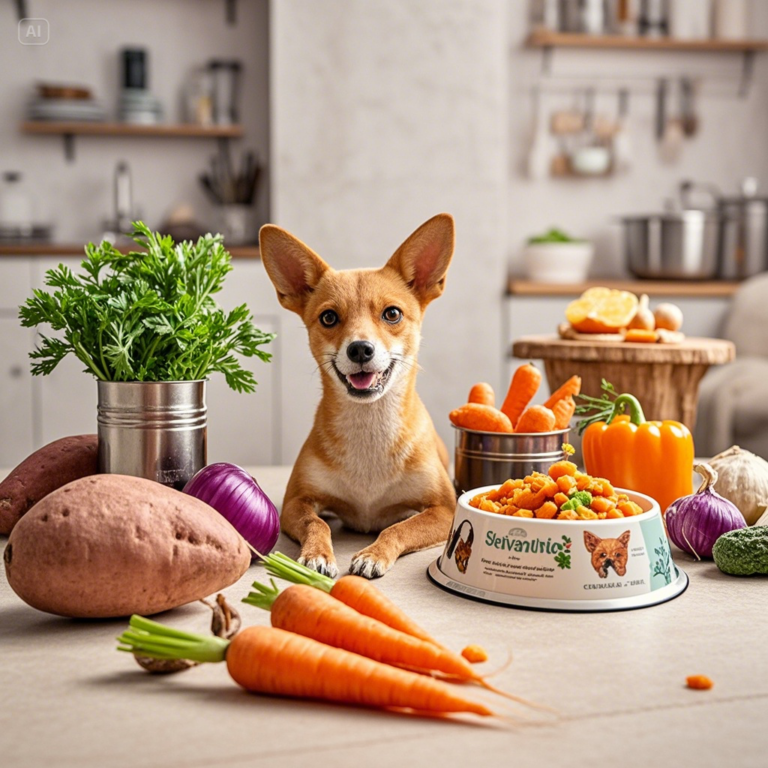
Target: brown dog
x,y
373,457
608,553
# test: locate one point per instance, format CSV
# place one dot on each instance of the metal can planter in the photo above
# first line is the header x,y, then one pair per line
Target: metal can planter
x,y
155,429
485,458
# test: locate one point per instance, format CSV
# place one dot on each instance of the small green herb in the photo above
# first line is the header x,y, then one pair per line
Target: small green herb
x,y
553,235
579,499
146,316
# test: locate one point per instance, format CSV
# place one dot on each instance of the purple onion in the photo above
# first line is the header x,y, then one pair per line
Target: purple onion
x,y
237,497
694,523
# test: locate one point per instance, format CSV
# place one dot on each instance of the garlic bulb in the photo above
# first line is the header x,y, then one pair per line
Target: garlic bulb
x,y
643,318
742,478
668,316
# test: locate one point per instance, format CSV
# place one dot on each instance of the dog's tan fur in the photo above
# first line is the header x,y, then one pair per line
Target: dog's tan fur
x,y
376,462
608,553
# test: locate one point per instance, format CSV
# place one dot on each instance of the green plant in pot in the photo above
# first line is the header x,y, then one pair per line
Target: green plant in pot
x,y
146,325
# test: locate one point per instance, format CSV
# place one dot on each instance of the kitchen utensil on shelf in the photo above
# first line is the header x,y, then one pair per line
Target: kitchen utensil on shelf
x,y
690,19
654,18
62,91
226,88
689,120
17,212
743,240
669,129
15,205
199,97
730,19
134,63
233,193
672,246
622,140
137,105
537,158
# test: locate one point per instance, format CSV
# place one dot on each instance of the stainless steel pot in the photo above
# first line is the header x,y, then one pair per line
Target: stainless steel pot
x,y
488,458
743,243
155,429
676,246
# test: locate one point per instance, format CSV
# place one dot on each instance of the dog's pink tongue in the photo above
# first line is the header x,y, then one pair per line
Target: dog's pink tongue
x,y
362,380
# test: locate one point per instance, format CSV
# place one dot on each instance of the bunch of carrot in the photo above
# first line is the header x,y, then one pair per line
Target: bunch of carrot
x,y
336,641
516,414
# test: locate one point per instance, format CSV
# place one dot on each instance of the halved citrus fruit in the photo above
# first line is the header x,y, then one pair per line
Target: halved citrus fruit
x,y
602,310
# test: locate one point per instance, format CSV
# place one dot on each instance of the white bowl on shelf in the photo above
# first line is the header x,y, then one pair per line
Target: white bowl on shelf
x,y
558,262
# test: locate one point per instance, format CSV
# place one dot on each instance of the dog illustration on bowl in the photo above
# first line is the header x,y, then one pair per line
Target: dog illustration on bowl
x,y
608,553
460,547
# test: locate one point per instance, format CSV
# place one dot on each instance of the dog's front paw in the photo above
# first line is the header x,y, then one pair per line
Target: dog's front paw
x,y
371,563
323,565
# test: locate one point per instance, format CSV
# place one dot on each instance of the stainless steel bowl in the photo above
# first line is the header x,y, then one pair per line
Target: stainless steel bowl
x,y
489,458
677,246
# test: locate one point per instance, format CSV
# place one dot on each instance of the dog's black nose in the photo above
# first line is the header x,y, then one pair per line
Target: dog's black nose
x,y
360,351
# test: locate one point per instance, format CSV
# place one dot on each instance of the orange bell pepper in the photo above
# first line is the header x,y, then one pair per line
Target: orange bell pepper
x,y
651,457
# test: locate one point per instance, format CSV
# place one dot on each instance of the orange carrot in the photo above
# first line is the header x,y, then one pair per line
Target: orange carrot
x,y
276,662
563,410
368,602
641,336
482,393
474,654
522,388
482,418
307,611
571,387
537,418
699,682
356,592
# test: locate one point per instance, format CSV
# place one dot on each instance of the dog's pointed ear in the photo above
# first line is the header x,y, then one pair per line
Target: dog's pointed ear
x,y
423,259
591,541
624,538
294,268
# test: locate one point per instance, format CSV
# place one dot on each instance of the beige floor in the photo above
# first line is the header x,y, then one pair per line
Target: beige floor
x,y
69,699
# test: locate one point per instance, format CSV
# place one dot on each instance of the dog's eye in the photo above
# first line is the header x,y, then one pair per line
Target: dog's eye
x,y
392,315
329,318
602,554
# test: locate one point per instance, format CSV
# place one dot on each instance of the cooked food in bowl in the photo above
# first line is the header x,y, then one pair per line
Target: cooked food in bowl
x,y
564,493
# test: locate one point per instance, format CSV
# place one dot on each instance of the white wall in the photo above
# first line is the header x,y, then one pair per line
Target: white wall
x,y
385,113
85,37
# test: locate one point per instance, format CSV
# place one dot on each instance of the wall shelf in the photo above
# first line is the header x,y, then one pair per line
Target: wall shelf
x,y
546,39
16,250
68,130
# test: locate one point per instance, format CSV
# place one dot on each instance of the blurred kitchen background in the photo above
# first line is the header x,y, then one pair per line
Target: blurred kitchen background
x,y
350,122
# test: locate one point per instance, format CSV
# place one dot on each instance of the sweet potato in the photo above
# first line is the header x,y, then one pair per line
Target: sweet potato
x,y
47,469
112,545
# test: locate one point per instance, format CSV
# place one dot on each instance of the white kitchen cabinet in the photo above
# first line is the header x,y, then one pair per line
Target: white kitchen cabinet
x,y
16,425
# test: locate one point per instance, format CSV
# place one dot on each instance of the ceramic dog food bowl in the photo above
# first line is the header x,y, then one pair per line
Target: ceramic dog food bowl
x,y
484,458
559,565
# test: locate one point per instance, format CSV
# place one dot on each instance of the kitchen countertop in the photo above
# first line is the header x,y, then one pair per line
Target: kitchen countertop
x,y
617,680
654,288
78,249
